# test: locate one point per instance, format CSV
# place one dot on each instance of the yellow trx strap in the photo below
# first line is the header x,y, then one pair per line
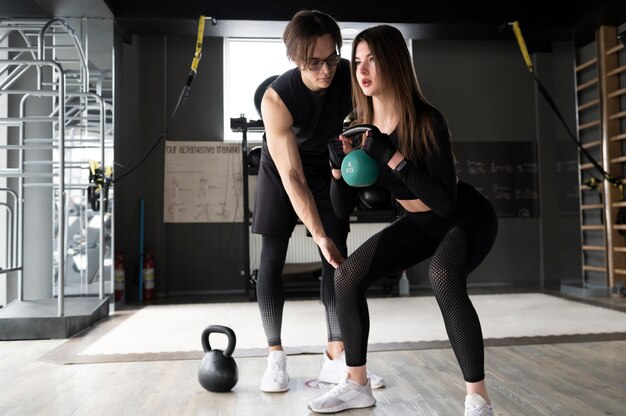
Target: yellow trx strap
x,y
522,44
198,54
196,59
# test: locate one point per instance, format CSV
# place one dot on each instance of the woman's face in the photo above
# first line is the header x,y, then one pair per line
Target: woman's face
x,y
365,70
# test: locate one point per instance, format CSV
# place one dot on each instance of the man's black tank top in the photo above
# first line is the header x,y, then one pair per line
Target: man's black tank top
x,y
316,117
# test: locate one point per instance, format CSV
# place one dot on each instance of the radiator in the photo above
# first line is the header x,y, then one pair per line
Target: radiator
x,y
302,249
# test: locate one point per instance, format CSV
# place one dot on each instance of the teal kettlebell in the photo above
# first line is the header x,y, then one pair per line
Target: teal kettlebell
x,y
357,168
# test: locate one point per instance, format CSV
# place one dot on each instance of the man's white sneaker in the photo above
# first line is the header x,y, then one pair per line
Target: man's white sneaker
x,y
476,405
376,381
333,371
275,379
345,395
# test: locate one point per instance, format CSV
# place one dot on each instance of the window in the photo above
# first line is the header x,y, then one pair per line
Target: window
x,y
248,63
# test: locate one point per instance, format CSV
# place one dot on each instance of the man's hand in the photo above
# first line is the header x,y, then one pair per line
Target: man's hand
x,y
330,252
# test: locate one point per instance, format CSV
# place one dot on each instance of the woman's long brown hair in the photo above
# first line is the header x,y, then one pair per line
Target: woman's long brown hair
x,y
395,68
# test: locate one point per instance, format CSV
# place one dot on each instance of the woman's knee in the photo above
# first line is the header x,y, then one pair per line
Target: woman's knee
x,y
347,279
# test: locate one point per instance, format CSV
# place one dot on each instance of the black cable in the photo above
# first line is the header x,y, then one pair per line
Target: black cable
x,y
183,94
181,99
615,181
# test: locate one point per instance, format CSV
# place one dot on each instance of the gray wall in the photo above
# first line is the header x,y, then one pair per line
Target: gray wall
x,y
482,87
190,258
488,94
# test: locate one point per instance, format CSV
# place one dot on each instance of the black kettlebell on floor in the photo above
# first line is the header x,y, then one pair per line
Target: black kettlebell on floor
x,y
218,371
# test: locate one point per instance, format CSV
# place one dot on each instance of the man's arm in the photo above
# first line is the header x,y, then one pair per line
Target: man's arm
x,y
283,148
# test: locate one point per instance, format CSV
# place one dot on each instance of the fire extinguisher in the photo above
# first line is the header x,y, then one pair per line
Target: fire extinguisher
x,y
120,277
148,277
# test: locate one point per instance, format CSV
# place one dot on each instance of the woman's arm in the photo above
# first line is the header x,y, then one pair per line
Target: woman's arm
x,y
434,183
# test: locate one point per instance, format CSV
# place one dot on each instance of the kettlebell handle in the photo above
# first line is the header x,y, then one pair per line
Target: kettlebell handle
x,y
360,128
232,339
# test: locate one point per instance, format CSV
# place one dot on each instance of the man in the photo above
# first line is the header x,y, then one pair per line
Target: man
x,y
302,110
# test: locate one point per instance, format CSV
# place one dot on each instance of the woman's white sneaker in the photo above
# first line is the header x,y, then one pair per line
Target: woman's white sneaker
x,y
333,371
476,405
345,395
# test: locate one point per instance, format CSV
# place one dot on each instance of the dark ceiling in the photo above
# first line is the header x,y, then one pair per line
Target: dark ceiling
x,y
541,21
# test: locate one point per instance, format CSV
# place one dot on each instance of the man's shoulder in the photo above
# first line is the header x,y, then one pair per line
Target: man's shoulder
x,y
287,76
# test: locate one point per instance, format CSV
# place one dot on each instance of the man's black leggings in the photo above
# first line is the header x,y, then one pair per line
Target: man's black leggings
x,y
271,291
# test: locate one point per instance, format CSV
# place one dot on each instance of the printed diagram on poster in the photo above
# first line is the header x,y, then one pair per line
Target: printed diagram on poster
x,y
202,182
506,173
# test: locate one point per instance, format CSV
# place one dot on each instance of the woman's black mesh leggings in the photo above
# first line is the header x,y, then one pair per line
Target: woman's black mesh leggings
x,y
271,290
455,253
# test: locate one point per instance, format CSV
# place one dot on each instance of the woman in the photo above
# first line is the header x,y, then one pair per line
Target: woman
x,y
444,218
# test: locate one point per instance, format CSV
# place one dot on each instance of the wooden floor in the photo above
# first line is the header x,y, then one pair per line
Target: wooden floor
x,y
576,379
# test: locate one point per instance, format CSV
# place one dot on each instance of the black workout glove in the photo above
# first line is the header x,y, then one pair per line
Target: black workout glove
x,y
335,154
379,147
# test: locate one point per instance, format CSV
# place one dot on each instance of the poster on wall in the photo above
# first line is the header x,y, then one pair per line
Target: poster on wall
x,y
202,182
506,173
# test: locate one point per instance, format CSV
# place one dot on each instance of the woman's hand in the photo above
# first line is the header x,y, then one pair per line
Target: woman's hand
x,y
335,153
346,144
378,146
337,150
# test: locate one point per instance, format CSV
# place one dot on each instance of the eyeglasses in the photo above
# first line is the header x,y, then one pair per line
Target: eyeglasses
x,y
317,64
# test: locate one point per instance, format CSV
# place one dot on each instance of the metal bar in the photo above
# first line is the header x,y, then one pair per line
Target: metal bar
x,y
16,202
10,174
9,235
62,214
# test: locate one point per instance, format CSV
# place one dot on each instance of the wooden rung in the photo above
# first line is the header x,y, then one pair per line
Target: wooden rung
x,y
616,71
620,271
620,159
594,268
588,104
593,248
619,227
592,227
586,64
617,115
587,166
618,204
587,84
615,49
589,188
592,206
589,145
620,249
618,137
589,125
617,93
